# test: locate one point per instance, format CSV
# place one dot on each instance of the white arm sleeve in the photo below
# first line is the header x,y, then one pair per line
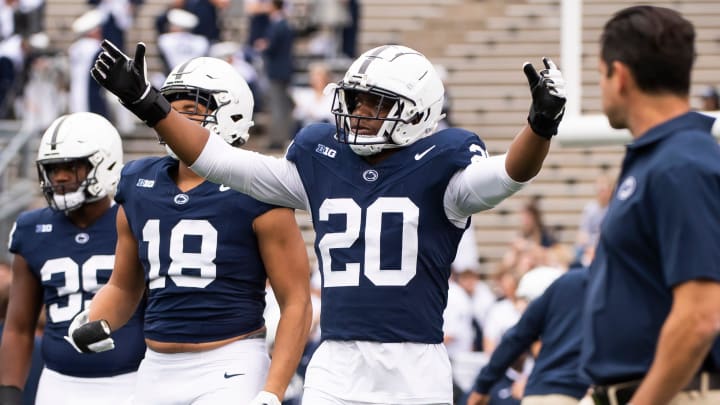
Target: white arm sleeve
x,y
483,184
266,178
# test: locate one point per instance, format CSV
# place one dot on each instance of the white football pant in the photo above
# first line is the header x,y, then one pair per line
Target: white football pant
x,y
59,389
231,374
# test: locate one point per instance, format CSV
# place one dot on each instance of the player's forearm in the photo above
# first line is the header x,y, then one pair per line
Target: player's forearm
x,y
290,342
15,354
526,155
185,137
683,344
115,305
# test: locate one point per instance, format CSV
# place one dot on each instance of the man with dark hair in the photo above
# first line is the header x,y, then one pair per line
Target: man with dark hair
x,y
652,311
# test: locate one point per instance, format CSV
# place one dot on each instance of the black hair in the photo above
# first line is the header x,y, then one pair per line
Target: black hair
x,y
657,45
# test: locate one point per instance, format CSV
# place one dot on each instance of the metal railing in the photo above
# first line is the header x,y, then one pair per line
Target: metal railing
x,y
18,185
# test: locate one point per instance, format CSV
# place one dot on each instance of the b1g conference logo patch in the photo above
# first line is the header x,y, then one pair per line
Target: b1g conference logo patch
x,y
627,188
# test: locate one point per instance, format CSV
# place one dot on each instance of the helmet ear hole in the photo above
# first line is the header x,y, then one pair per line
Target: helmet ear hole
x,y
417,118
236,117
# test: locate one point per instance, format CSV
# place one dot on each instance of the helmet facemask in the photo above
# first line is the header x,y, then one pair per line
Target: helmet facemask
x,y
389,108
69,196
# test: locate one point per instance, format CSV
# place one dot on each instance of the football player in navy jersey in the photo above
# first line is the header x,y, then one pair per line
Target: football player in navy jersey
x,y
206,251
389,198
62,255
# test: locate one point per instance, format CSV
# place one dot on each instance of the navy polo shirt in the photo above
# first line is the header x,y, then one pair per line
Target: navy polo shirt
x,y
554,318
662,229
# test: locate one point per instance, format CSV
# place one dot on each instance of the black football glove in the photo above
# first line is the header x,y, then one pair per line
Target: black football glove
x,y
548,98
10,395
89,337
127,79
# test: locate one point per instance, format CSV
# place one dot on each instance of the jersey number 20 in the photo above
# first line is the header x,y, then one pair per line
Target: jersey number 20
x,y
373,227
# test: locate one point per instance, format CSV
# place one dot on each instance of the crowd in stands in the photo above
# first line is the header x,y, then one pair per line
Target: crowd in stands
x,y
483,303
31,64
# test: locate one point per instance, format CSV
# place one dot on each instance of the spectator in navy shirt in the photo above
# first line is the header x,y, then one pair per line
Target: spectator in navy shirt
x,y
554,319
652,310
277,51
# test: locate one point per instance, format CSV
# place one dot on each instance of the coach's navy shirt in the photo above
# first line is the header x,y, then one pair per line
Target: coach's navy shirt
x,y
662,229
554,318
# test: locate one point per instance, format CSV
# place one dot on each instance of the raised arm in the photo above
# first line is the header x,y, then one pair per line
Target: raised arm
x,y
530,146
485,183
127,78
263,177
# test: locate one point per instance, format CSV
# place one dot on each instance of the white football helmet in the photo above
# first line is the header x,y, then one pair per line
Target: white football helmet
x,y
534,283
399,74
218,86
85,137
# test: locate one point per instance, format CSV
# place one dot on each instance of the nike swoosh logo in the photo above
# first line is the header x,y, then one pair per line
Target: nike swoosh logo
x,y
224,188
232,375
419,156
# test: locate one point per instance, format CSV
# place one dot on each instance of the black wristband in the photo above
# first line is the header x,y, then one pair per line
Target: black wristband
x,y
10,395
152,108
543,125
91,332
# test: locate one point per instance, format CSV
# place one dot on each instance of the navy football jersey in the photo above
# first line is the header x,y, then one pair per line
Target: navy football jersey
x,y
72,264
205,276
383,241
